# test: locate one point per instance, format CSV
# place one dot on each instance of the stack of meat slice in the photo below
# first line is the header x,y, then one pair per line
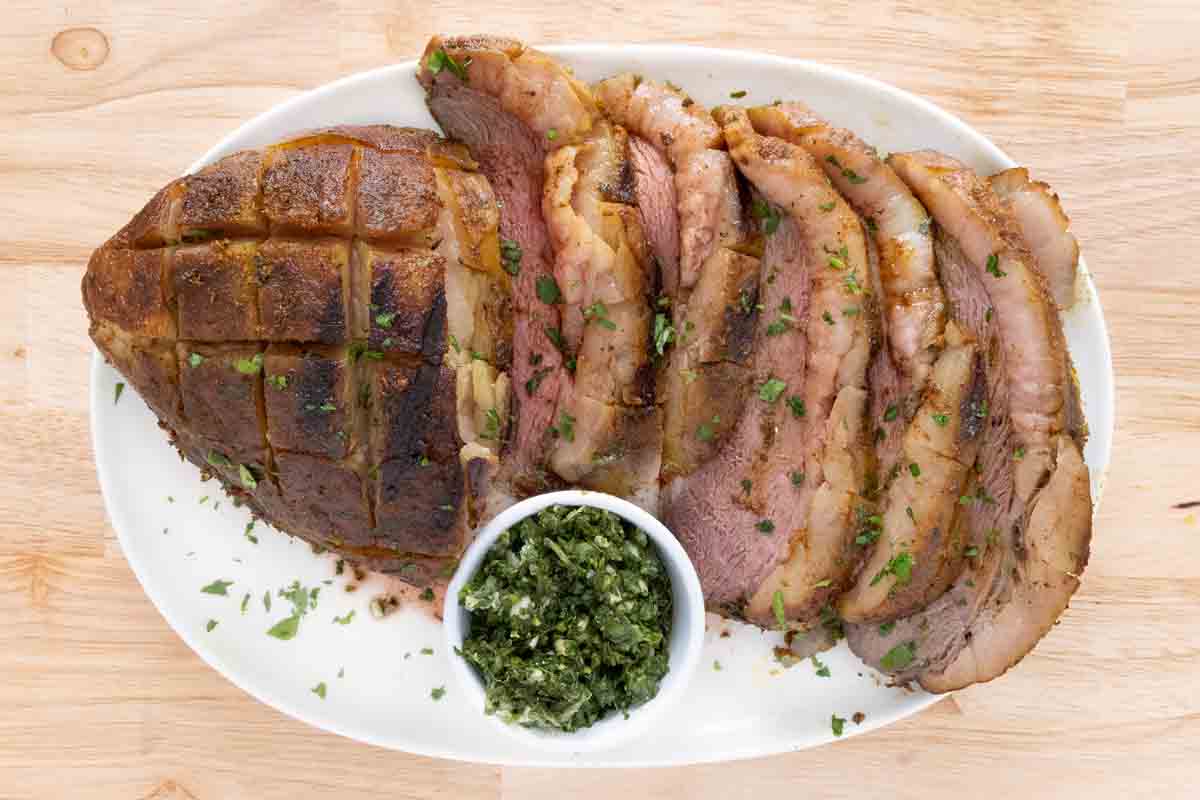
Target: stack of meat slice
x,y
861,414
573,241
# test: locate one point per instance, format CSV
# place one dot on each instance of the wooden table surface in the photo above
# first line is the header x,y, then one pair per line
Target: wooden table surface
x,y
103,101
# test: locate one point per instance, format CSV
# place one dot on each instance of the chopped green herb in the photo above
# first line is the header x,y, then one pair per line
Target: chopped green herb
x,y
345,619
565,427
797,477
249,366
771,390
707,430
823,583
915,469
442,60
987,315
765,526
827,207
886,628
821,667
837,724
248,479
552,134
738,95
426,651
212,623
717,666
218,587
768,214
689,375
796,404
547,290
535,380
827,317
319,690
993,266
454,343
900,567
926,226
245,602
249,533
898,657
664,333
491,425
778,327
1019,452
120,387
941,419
427,594
871,226
280,382
747,485
598,312
971,552
510,256
438,693
217,459
286,628
891,412
555,336
778,608
195,360
852,284
850,311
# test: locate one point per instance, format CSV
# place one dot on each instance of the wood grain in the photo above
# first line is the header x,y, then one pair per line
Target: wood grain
x,y
102,101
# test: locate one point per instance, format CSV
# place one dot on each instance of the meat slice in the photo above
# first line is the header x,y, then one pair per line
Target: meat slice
x,y
839,322
1044,226
1030,531
708,275
921,544
582,277
1029,328
284,312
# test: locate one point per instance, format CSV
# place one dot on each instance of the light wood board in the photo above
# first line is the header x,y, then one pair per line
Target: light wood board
x,y
99,699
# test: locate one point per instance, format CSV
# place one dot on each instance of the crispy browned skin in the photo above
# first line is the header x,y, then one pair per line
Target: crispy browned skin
x,y
284,312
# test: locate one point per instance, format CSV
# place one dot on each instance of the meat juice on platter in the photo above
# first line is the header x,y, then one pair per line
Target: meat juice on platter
x,y
840,378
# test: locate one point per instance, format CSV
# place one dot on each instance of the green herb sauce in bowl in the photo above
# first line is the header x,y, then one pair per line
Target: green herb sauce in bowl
x,y
576,618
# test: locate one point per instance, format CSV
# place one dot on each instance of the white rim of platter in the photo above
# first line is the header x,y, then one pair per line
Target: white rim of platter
x,y
379,674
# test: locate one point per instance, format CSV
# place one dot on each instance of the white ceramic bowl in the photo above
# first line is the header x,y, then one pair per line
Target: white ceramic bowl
x,y
687,624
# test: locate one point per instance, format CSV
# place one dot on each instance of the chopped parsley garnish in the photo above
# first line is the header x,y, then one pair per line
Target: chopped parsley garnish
x,y
942,420
993,266
535,380
552,134
870,222
717,666
827,317
547,290
852,284
345,619
900,567
438,693
1019,453
120,387
778,327
598,312
926,226
664,333
821,667
797,477
707,430
771,390
385,319
570,619
689,375
555,335
510,256
747,485
565,427
212,623
426,651
987,315
441,60
850,311
796,404
848,174
827,207
886,628
837,724
319,690
768,214
247,476
778,608
971,551
891,412
823,583
491,425
738,95
427,594
286,628
765,526
217,459
915,469
195,360
245,602
249,366
218,587
280,382
898,657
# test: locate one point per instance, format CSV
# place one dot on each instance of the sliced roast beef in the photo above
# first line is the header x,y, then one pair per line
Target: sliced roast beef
x,y
573,244
1045,228
1029,525
708,277
830,451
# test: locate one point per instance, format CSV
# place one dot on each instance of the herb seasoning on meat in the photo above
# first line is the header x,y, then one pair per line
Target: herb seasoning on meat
x,y
570,619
